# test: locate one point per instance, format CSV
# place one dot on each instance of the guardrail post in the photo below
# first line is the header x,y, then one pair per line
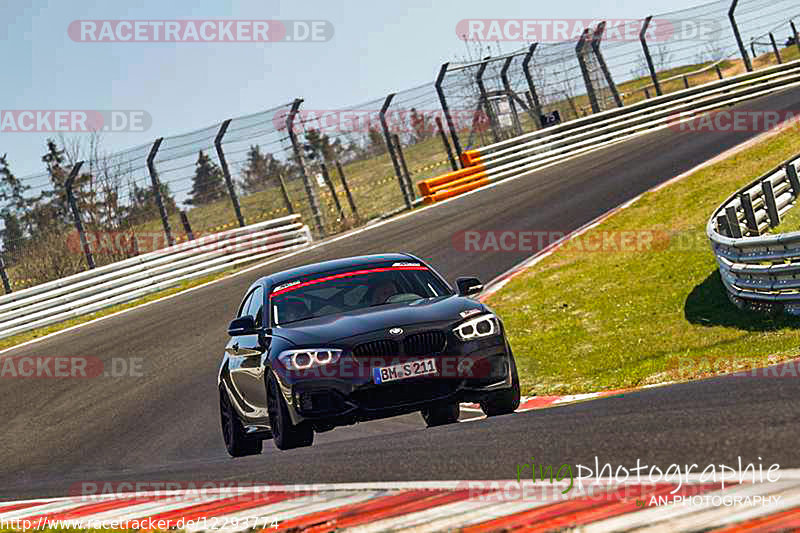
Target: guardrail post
x,y
775,48
446,144
719,72
791,173
753,47
796,36
742,49
285,194
596,39
151,168
650,65
186,226
685,81
310,192
485,99
225,172
509,93
722,225
733,222
446,110
387,136
347,190
587,79
402,159
749,212
772,207
526,68
76,214
4,276
329,182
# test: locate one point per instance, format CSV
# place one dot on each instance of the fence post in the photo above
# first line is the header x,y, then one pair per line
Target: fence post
x,y
738,36
796,36
775,48
329,181
347,190
406,175
76,214
587,79
446,110
285,194
650,65
733,222
225,172
310,192
151,168
446,144
485,99
526,67
4,276
509,93
387,136
186,226
685,81
596,38
772,207
719,72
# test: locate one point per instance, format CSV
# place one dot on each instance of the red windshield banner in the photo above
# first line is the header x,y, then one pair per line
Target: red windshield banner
x,y
280,289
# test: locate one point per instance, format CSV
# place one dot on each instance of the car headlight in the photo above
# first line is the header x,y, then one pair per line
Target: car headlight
x,y
308,358
478,327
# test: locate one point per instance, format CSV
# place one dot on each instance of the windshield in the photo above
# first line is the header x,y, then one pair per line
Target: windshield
x,y
355,289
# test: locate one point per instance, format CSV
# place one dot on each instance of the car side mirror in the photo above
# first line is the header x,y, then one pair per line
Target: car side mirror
x,y
469,286
244,325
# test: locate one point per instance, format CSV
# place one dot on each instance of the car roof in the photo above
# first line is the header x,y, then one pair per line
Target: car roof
x,y
335,264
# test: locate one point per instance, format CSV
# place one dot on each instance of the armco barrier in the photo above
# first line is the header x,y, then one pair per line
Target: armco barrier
x,y
90,291
759,270
525,153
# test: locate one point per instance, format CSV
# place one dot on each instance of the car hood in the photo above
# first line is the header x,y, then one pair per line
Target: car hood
x,y
333,328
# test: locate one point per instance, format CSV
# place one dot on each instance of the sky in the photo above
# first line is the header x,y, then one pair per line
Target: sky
x,y
377,47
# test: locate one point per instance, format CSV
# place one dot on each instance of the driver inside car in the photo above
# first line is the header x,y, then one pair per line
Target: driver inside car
x,y
382,292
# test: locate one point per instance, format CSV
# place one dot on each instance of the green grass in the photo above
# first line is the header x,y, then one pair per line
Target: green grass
x,y
585,321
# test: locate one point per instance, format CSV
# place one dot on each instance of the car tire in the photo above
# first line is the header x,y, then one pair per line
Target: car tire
x,y
505,401
441,415
236,440
285,435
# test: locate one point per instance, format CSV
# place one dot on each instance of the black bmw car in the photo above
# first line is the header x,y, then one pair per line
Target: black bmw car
x,y
362,338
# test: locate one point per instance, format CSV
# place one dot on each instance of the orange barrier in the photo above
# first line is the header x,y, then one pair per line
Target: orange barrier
x,y
449,193
470,158
426,186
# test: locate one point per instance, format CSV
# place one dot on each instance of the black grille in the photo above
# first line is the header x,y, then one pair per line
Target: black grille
x,y
396,395
381,348
425,343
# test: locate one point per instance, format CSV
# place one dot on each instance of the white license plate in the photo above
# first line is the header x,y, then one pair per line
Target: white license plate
x,y
411,369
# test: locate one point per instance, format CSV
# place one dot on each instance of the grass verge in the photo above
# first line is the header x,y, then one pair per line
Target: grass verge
x,y
582,321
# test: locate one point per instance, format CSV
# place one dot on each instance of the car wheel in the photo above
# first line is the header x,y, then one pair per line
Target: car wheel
x,y
441,415
285,435
237,442
505,401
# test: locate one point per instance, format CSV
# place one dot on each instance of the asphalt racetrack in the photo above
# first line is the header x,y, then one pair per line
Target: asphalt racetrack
x,y
164,426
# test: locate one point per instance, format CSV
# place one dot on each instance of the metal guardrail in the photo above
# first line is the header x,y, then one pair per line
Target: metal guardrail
x,y
525,153
759,270
123,281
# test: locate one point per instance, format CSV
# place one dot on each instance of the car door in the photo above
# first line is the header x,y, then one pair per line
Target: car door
x,y
244,359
